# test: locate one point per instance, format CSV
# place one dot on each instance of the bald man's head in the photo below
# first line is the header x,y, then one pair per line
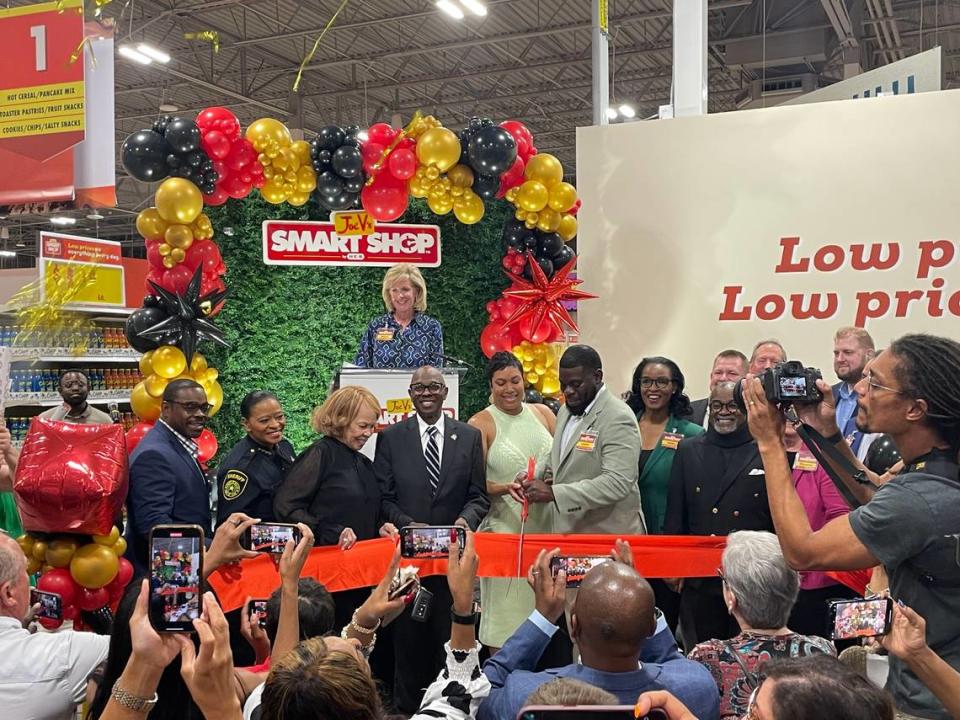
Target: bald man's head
x,y
614,612
14,584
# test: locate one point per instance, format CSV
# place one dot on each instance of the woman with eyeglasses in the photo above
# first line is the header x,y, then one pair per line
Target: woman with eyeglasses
x,y
759,590
253,470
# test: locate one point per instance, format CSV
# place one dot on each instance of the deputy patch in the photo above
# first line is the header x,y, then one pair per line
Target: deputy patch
x,y
234,483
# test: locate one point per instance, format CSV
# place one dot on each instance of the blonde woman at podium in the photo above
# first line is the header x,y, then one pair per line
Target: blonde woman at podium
x,y
405,336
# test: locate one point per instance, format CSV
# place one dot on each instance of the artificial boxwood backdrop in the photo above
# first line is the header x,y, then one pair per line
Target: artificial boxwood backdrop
x,y
290,328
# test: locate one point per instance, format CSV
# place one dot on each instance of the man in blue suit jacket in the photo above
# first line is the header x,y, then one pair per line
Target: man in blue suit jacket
x,y
167,485
613,622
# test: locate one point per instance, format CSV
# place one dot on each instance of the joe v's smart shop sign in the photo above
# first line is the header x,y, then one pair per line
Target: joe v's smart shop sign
x,y
351,238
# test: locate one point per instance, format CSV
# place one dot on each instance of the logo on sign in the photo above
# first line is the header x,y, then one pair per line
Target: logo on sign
x,y
53,246
350,239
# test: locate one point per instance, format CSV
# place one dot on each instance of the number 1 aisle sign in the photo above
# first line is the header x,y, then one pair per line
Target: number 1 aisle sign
x,y
41,89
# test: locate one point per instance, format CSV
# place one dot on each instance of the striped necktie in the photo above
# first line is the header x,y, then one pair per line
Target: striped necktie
x,y
432,456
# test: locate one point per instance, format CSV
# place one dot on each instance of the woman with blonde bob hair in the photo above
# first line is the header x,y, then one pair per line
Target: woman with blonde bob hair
x,y
331,487
405,336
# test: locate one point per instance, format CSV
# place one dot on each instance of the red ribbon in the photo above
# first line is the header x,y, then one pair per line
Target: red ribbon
x,y
655,556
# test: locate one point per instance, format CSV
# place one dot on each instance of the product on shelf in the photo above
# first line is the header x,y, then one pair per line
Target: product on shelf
x,y
99,337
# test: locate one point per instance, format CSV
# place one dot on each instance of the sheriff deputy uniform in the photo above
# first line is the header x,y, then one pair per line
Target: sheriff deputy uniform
x,y
248,477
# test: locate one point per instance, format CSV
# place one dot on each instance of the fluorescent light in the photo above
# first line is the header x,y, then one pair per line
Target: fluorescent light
x,y
130,54
4,233
168,108
151,52
95,216
611,113
7,253
60,220
450,9
475,6
627,111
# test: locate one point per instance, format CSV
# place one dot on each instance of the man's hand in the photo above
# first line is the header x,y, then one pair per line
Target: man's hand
x,y
293,558
6,441
225,547
209,675
150,648
674,709
348,538
549,592
765,419
516,487
907,638
388,530
461,573
822,416
622,552
538,491
255,635
379,606
460,522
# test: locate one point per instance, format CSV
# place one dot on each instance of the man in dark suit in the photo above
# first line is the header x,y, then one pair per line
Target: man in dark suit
x,y
716,487
166,483
853,348
431,471
728,366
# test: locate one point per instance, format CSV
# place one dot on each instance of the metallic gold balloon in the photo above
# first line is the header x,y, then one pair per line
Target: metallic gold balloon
x,y
533,195
155,384
267,134
545,168
144,404
94,566
457,192
301,150
548,220
567,227
284,160
150,225
168,361
432,173
440,204
416,188
60,550
164,249
169,262
178,255
563,196
550,385
120,546
520,214
178,201
39,550
179,236
33,566
297,198
25,542
145,367
198,364
469,209
306,179
215,397
273,192
108,539
531,224
460,176
210,375
439,147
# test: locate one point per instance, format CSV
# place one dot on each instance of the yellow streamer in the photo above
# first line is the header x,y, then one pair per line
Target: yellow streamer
x,y
309,57
210,36
39,318
417,116
100,5
78,52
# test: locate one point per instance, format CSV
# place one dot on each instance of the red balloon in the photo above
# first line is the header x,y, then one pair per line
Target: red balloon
x,y
205,252
59,581
495,338
206,445
402,164
178,277
124,573
153,254
136,434
384,201
216,144
512,177
91,600
381,133
537,334
521,134
235,187
72,612
221,119
217,197
371,153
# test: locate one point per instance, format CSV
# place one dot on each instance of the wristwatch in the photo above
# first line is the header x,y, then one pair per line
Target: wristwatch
x,y
131,701
470,619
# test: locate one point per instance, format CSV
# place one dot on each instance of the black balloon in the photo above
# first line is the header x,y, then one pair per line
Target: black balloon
x,y
552,403
549,245
330,137
144,154
530,240
546,265
565,255
182,135
513,232
329,184
486,186
353,185
464,136
492,150
881,454
321,158
341,201
347,162
532,396
140,320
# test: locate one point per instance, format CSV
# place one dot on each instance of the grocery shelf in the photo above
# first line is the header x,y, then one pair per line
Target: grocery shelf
x,y
26,354
49,399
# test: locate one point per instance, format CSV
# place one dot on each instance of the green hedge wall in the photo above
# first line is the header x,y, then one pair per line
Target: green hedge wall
x,y
290,328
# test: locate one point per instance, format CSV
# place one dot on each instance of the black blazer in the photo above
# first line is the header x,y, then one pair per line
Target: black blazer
x,y
698,411
402,474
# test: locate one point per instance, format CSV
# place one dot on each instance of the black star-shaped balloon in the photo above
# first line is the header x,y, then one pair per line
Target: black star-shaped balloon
x,y
187,324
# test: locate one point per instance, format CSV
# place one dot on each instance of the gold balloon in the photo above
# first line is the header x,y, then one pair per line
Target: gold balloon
x,y
178,201
440,204
440,148
198,363
460,176
531,376
550,384
563,196
169,262
469,208
94,566
273,192
210,374
164,249
567,227
144,404
284,160
108,539
203,223
25,542
545,168
120,546
306,179
155,384
267,134
215,398
177,255
33,566
548,220
416,188
168,361
150,225
145,360
297,199
533,195
179,236
432,173
39,551
60,551
301,150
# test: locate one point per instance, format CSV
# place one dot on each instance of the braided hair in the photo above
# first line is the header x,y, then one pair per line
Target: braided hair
x,y
929,368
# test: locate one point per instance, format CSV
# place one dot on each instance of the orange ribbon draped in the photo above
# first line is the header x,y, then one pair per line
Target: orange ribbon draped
x,y
655,556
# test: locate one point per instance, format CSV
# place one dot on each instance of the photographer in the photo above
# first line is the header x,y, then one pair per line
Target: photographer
x,y
910,524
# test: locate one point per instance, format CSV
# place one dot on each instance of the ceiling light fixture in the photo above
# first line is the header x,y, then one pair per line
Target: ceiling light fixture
x,y
611,113
130,54
4,233
627,111
475,6
61,220
151,52
7,253
168,108
95,216
450,9
20,244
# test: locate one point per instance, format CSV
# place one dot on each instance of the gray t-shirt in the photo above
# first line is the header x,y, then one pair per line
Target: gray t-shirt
x,y
912,526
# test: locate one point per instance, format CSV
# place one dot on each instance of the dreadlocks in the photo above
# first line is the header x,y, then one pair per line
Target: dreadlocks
x,y
930,370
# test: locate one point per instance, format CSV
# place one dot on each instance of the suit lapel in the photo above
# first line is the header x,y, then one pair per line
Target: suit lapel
x,y
733,473
416,451
184,455
450,441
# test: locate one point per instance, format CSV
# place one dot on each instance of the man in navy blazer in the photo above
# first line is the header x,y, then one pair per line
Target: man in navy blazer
x,y
624,648
167,485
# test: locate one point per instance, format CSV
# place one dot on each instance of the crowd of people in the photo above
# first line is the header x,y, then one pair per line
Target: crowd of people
x,y
752,641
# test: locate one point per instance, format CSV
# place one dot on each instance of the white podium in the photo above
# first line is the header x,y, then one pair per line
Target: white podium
x,y
391,388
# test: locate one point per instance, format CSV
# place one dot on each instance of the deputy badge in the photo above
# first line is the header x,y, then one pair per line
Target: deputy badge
x,y
234,483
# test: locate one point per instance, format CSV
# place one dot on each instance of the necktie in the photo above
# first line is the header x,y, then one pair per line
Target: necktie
x,y
432,456
853,435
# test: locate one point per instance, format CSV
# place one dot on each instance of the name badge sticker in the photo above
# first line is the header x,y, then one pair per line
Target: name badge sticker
x,y
807,464
670,440
587,442
385,335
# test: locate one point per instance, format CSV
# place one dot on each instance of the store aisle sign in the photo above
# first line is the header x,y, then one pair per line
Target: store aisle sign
x,y
350,239
62,255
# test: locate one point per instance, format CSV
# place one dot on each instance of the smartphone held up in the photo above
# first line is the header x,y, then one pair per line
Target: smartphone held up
x,y
270,538
176,572
430,541
860,618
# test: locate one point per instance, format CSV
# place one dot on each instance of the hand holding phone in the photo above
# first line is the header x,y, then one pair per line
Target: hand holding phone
x,y
51,604
430,541
860,618
258,611
576,566
271,538
176,572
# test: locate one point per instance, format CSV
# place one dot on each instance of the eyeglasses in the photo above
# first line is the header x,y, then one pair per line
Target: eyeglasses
x,y
193,408
753,709
868,376
717,406
660,382
432,388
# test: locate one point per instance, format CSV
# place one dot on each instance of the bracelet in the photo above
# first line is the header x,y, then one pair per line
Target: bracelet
x,y
366,649
360,628
133,702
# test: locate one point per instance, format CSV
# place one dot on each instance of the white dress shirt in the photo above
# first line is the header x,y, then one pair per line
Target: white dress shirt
x,y
424,436
44,676
573,422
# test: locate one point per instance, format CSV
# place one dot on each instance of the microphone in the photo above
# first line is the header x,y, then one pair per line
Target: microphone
x,y
454,359
114,411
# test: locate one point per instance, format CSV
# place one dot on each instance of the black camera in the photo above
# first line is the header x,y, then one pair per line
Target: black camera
x,y
788,383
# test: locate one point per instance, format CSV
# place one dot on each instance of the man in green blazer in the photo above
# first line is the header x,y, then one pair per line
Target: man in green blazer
x,y
595,455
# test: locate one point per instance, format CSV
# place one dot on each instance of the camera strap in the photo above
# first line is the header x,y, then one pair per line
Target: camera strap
x,y
821,448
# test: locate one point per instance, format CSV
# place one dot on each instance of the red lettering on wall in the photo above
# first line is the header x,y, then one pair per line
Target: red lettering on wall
x,y
870,306
934,254
787,264
814,309
730,295
874,262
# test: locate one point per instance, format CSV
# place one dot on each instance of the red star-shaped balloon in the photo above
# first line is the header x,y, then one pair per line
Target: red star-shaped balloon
x,y
544,298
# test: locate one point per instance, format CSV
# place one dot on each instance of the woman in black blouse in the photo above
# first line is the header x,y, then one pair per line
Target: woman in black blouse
x,y
331,487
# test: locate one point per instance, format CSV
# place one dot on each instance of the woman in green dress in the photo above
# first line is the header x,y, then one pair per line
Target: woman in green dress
x,y
9,517
513,432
